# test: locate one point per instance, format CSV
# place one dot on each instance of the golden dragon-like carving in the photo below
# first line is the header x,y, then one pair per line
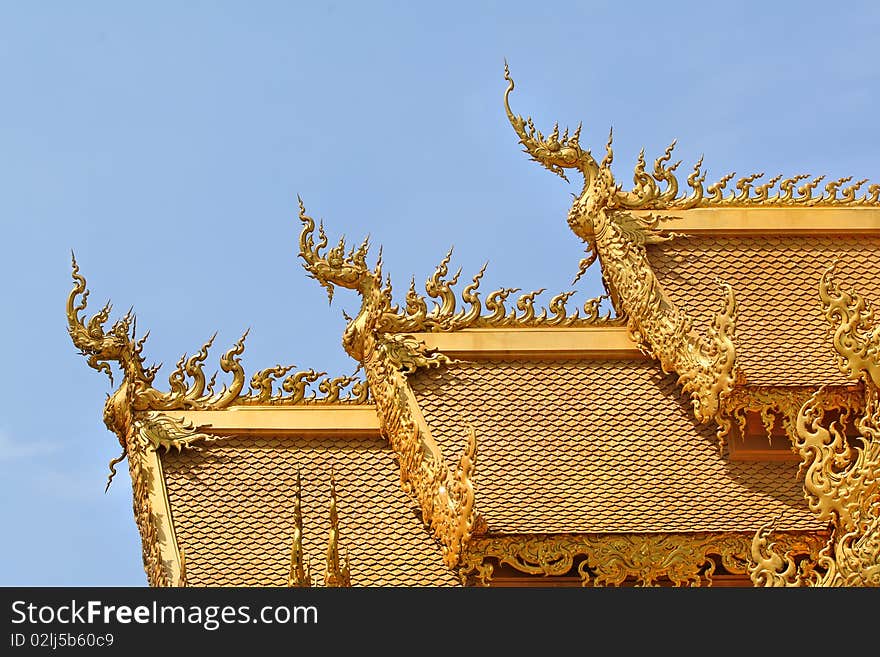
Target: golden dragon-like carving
x,y
137,401
445,496
601,215
841,478
612,559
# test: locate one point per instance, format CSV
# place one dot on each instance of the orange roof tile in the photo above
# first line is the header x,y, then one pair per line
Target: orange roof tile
x,y
232,505
598,446
782,335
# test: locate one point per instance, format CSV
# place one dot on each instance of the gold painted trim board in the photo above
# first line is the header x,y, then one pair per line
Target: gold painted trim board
x,y
770,221
589,342
353,420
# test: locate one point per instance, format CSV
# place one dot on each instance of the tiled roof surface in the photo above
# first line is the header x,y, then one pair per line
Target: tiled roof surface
x,y
783,337
598,446
232,503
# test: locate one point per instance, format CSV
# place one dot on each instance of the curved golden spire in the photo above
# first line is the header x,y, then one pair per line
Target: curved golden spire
x,y
299,575
336,574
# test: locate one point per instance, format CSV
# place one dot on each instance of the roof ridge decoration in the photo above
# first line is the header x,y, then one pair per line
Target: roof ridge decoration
x,y
190,388
445,496
659,189
444,316
841,480
133,411
601,216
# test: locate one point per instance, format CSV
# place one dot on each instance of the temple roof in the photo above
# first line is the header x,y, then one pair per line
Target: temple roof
x,y
782,333
598,446
478,422
233,499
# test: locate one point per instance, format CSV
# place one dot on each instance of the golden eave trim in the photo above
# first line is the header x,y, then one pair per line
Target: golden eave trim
x,y
770,221
589,342
351,420
163,519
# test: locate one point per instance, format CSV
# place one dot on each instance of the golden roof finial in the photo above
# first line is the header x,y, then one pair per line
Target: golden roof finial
x,y
331,267
336,575
300,574
659,190
554,153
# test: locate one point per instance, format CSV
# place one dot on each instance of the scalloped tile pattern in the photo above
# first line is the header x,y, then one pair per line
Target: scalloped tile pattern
x,y
232,502
598,446
783,337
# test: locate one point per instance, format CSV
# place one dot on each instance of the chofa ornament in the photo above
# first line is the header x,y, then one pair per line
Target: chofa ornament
x,y
601,215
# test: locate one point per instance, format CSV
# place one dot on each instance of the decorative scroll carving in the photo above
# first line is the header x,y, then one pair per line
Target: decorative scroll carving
x,y
445,315
137,400
336,574
159,431
445,498
454,514
297,388
601,216
135,393
407,354
784,403
300,573
841,480
612,559
856,330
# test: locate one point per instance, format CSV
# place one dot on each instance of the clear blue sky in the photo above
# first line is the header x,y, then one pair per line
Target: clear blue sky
x,y
166,142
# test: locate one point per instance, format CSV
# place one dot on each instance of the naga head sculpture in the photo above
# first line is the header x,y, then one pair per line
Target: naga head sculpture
x,y
101,346
557,153
553,152
332,267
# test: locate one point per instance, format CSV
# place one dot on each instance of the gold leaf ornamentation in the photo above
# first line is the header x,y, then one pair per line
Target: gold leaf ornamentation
x,y
601,216
841,478
300,575
612,559
337,572
372,337
659,189
159,431
784,403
